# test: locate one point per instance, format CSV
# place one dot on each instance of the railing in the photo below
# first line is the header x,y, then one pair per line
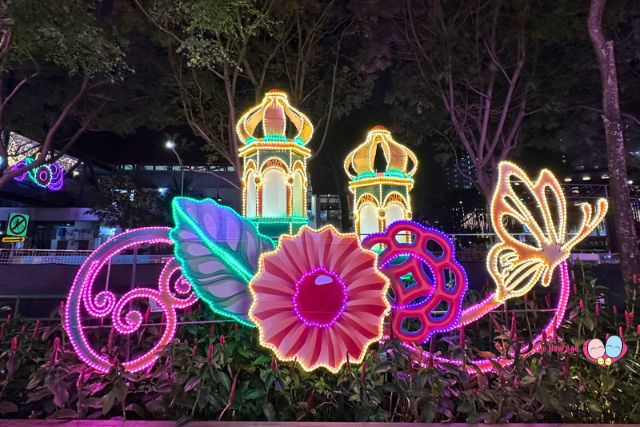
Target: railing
x,y
71,257
16,301
465,255
74,257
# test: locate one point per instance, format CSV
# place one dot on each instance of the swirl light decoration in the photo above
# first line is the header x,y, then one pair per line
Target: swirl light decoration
x,y
22,151
274,194
81,300
49,176
380,197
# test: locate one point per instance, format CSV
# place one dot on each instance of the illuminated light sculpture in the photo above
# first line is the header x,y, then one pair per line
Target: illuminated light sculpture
x,y
476,311
319,299
274,194
517,266
218,251
380,197
103,304
432,302
50,175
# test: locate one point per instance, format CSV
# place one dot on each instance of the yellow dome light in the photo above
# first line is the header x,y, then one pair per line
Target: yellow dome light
x,y
274,175
380,197
397,157
272,113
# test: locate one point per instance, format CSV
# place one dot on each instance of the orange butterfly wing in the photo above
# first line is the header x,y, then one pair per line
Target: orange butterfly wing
x,y
516,266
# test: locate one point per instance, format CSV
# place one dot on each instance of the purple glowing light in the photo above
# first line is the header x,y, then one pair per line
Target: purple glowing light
x,y
487,364
430,293
105,303
48,176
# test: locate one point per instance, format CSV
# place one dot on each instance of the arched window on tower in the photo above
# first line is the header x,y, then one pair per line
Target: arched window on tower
x,y
274,193
298,194
368,217
252,195
394,212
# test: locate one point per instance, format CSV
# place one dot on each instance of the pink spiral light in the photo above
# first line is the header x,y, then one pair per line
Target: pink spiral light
x,y
105,303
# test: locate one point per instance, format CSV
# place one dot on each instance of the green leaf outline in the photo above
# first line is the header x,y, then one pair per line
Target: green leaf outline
x,y
236,267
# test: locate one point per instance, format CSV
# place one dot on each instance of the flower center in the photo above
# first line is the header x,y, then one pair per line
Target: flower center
x,y
320,298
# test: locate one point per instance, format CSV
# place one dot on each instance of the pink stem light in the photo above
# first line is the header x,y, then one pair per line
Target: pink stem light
x,y
475,312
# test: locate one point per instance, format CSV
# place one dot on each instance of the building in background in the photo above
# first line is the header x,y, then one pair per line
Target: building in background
x,y
325,210
59,215
455,179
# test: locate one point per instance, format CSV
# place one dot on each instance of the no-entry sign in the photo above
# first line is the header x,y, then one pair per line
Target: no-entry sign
x,y
18,224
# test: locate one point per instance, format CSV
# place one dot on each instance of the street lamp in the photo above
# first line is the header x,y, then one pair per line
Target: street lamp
x,y
172,146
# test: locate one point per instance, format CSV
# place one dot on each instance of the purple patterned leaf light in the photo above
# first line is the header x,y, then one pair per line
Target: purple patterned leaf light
x,y
219,252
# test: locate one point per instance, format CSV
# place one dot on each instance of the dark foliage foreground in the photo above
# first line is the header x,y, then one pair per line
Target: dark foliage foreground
x,y
218,371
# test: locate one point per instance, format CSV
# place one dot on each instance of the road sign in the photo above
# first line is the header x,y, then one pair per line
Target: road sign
x,y
17,225
13,239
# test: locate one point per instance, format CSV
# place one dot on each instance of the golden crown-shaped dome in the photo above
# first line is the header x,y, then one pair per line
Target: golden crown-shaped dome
x,y
273,112
397,156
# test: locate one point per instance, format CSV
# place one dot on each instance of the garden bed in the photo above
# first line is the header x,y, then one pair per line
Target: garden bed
x,y
117,423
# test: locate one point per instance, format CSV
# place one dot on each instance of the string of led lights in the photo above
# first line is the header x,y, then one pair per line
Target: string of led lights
x,y
369,187
274,164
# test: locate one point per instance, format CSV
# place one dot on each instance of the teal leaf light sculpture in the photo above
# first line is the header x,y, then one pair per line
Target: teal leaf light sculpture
x,y
218,251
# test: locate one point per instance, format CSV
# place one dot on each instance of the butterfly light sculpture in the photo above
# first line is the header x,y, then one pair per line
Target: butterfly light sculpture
x,y
516,266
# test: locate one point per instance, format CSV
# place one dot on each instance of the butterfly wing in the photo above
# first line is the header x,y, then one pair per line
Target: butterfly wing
x,y
545,227
516,265
590,221
513,275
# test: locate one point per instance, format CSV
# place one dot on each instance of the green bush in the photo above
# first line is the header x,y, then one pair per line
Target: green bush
x,y
218,371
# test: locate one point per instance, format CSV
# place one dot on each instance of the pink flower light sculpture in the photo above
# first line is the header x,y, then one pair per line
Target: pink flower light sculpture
x,y
432,299
319,299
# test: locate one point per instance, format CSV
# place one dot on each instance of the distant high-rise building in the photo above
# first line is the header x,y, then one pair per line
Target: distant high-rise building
x,y
455,179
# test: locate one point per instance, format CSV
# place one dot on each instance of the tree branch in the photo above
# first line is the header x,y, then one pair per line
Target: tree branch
x,y
15,90
45,146
332,92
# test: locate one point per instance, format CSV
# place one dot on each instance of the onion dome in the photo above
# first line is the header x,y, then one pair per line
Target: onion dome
x,y
273,112
397,157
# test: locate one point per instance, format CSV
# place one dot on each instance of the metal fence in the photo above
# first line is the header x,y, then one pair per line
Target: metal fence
x,y
71,257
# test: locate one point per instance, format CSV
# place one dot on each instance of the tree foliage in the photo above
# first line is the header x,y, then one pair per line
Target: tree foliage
x,y
125,201
63,39
224,62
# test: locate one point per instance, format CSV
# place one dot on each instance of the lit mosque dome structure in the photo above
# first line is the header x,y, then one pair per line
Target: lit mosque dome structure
x,y
381,197
274,153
